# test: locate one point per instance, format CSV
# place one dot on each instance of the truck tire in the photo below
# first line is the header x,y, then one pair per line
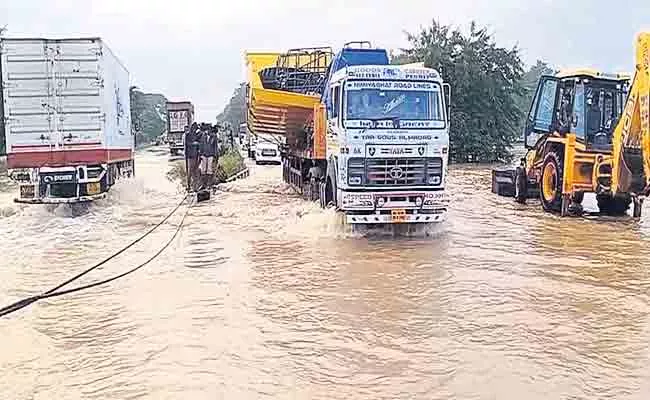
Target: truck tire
x,y
330,185
550,191
330,193
521,185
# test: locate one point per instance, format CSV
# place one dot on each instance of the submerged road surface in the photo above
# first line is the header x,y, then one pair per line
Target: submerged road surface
x,y
264,295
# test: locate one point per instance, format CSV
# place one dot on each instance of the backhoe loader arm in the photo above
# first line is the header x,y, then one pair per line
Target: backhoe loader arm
x,y
631,140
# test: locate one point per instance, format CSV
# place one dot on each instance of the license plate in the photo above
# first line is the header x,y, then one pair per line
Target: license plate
x,y
398,216
27,191
93,188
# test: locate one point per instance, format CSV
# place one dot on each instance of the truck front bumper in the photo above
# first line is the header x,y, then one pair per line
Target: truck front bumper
x,y
399,207
60,200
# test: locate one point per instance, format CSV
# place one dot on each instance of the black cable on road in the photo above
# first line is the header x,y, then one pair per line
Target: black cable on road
x,y
54,292
144,235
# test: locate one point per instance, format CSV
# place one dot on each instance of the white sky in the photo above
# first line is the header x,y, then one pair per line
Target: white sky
x,y
193,49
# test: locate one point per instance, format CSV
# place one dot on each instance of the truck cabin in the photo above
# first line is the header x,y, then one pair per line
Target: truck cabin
x,y
583,102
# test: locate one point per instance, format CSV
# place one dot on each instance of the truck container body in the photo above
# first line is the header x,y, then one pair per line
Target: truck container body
x,y
67,118
180,115
369,138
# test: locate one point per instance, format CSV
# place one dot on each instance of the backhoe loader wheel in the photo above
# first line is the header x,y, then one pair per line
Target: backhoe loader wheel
x,y
614,206
551,183
521,185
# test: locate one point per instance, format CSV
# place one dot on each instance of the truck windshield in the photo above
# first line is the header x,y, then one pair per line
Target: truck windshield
x,y
410,102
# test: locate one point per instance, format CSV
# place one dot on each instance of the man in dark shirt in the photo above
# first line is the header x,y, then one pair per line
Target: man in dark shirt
x,y
192,147
209,150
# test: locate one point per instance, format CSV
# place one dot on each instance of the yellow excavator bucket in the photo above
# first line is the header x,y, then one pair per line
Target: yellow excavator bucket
x,y
631,141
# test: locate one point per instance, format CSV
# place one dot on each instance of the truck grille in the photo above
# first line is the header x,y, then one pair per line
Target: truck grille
x,y
396,171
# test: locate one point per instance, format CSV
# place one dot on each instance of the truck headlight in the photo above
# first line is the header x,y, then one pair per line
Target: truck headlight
x,y
354,180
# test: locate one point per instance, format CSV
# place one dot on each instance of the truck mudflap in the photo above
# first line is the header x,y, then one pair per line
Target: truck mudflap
x,y
60,200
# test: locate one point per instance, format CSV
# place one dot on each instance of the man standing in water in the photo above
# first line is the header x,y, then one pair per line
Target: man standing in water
x,y
209,150
192,145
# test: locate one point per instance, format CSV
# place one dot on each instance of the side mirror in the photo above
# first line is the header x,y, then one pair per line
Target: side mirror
x,y
446,88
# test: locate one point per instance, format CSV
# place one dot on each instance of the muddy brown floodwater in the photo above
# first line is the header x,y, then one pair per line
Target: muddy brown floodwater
x,y
264,295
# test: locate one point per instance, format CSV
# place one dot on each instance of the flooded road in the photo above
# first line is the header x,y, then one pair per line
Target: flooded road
x,y
264,295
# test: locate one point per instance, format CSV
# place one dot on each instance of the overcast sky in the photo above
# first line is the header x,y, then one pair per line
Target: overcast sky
x,y
193,49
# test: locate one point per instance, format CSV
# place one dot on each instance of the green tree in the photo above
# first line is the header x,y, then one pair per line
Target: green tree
x,y
485,80
235,111
148,115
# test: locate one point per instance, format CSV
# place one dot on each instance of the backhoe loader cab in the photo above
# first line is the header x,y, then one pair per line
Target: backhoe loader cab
x,y
582,102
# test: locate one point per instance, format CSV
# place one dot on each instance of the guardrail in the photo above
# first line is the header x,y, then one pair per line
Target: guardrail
x,y
239,175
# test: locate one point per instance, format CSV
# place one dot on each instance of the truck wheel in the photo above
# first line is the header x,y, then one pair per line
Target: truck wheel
x,y
551,183
330,198
615,206
521,185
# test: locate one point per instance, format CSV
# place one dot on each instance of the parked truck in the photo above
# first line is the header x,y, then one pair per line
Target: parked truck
x,y
67,118
368,138
180,115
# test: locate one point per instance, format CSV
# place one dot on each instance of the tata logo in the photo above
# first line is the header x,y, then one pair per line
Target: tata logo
x,y
396,172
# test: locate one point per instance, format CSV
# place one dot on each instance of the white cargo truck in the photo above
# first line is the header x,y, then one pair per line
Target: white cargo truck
x,y
67,118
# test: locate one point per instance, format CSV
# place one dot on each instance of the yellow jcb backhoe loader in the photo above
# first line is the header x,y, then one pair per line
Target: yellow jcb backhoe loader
x,y
586,132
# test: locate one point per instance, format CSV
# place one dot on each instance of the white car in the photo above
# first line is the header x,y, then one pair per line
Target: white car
x,y
267,153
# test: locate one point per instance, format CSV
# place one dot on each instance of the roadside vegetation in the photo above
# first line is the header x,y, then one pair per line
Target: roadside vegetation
x,y
229,164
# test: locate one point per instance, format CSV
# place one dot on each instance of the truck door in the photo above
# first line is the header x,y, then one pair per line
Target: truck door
x,y
541,117
77,85
27,94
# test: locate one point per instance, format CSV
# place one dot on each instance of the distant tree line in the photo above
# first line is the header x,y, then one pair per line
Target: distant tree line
x,y
148,115
234,113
